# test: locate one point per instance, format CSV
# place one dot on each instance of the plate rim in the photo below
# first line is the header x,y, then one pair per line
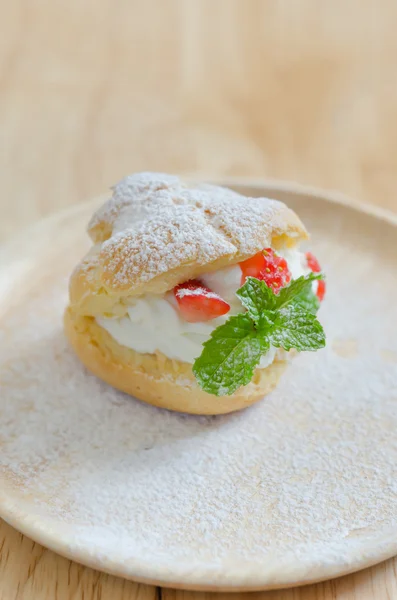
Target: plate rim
x,y
42,531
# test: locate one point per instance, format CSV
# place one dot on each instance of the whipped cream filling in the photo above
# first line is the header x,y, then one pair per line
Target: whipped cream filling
x,y
153,323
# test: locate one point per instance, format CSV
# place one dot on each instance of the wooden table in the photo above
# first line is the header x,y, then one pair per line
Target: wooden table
x,y
91,90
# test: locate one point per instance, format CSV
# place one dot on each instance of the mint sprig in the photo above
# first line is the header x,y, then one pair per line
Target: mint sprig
x,y
286,320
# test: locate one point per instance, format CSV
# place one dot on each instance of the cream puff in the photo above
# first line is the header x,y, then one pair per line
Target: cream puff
x,y
193,298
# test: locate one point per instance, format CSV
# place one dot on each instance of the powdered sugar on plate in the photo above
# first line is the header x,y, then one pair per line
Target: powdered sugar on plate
x,y
300,480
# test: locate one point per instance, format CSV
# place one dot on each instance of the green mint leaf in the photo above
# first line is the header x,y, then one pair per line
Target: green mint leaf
x,y
230,356
285,320
308,300
296,328
266,321
296,288
256,297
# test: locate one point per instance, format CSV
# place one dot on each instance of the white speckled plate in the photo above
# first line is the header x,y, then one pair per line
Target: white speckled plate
x,y
298,488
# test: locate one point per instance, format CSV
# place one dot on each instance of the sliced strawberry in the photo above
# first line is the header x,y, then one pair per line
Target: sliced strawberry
x,y
313,263
314,266
267,266
321,287
197,302
253,267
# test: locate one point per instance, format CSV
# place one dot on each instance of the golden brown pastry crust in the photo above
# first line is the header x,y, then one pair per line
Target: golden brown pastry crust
x,y
156,232
155,378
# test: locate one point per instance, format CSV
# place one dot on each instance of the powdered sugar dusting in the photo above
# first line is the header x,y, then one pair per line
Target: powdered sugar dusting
x,y
236,215
306,476
133,189
200,291
159,248
153,221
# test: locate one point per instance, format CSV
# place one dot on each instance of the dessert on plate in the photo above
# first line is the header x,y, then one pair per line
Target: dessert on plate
x,y
193,297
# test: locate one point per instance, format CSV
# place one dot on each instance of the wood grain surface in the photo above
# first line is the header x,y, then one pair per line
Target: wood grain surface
x,y
300,89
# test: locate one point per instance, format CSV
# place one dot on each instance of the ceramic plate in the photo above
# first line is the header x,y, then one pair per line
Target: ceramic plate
x,y
298,488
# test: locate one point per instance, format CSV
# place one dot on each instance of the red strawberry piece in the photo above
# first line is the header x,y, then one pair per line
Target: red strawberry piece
x,y
268,267
321,289
314,265
253,267
197,302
